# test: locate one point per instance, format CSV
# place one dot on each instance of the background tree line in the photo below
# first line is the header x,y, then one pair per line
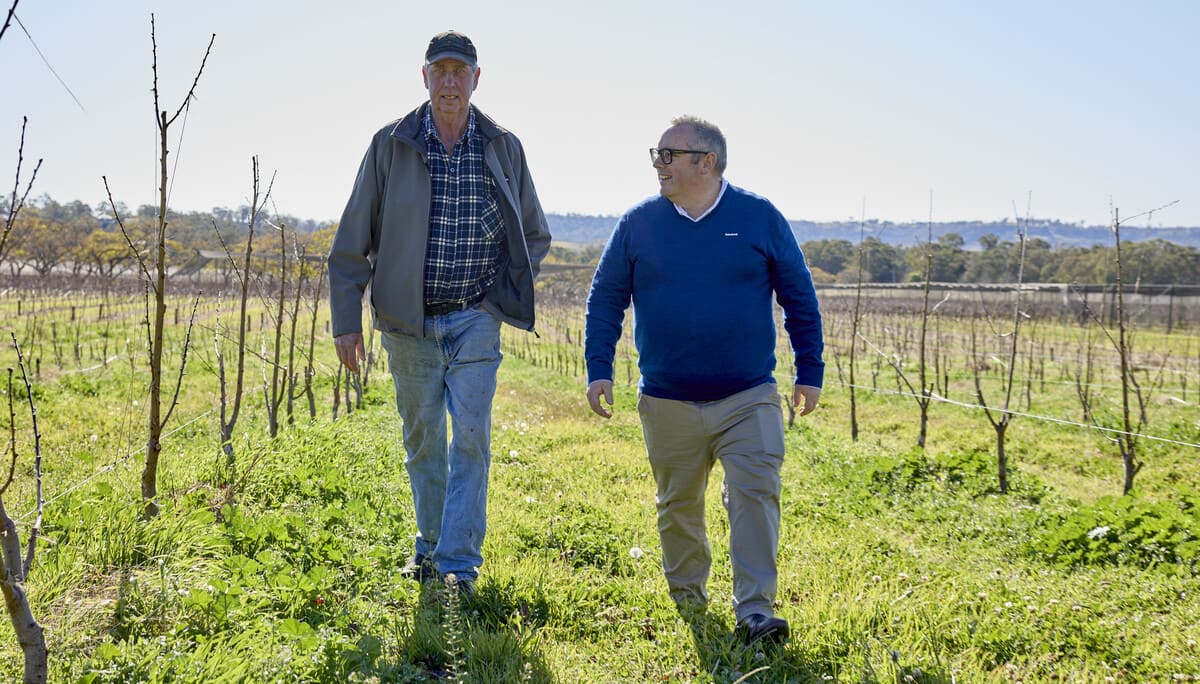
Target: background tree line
x,y
996,261
73,237
50,236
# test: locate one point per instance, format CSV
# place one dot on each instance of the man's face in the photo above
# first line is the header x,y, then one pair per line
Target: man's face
x,y
450,83
682,177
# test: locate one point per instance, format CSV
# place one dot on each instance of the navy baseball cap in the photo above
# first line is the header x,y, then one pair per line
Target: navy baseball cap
x,y
451,45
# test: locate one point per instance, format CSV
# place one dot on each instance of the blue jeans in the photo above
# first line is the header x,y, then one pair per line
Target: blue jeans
x,y
451,370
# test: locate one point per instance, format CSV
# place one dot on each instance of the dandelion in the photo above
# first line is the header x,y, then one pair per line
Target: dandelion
x,y
876,579
903,576
635,553
1098,532
512,454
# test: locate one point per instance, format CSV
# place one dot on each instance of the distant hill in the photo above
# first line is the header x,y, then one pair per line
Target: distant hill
x,y
582,229
1056,233
588,229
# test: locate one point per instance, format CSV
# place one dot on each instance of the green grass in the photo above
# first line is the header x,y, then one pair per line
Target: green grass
x,y
897,564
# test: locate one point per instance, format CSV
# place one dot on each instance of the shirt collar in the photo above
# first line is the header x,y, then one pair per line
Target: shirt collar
x,y
720,194
431,130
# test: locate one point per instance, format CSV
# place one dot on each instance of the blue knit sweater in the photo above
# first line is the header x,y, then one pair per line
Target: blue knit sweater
x,y
704,325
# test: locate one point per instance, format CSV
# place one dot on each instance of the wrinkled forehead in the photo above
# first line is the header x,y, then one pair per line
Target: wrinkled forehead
x,y
449,64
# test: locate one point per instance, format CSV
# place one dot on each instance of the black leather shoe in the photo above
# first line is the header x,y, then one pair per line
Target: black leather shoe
x,y
419,569
758,627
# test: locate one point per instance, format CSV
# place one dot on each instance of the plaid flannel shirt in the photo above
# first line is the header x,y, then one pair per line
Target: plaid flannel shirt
x,y
465,224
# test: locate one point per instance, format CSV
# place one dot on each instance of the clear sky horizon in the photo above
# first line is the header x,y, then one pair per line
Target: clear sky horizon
x,y
943,109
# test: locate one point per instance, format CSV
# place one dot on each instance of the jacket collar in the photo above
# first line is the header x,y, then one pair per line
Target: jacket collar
x,y
410,128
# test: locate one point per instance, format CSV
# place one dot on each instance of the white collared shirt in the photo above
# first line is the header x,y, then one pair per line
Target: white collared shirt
x,y
720,194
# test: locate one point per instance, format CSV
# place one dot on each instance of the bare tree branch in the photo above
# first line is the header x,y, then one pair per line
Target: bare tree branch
x,y
12,436
16,204
137,253
36,528
163,121
8,19
187,344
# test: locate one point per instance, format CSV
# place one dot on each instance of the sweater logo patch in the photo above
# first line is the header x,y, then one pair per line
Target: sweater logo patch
x,y
731,234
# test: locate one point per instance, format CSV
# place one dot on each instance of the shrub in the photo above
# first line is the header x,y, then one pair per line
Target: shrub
x,y
1127,530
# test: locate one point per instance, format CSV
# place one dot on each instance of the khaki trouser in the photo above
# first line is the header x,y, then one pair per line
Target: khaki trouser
x,y
684,439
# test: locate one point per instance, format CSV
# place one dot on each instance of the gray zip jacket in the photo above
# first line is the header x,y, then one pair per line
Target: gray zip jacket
x,y
381,239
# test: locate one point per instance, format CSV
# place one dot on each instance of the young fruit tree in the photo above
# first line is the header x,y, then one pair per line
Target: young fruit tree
x,y
15,567
154,270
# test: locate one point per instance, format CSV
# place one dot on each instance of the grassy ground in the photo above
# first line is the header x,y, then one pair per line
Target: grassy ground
x,y
896,564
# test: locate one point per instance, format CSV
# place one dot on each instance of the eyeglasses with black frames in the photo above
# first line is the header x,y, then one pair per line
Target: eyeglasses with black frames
x,y
667,154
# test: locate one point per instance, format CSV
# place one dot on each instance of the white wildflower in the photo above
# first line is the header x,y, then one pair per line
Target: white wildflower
x,y
1099,532
635,553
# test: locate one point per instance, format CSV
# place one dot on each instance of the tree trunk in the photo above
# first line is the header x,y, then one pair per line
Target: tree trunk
x,y
30,635
1001,457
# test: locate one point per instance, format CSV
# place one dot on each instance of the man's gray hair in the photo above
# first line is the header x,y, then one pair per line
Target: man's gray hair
x,y
708,136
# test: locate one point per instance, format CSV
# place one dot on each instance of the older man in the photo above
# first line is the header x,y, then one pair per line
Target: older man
x,y
444,225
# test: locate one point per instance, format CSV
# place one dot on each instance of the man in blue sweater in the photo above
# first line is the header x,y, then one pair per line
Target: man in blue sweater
x,y
701,264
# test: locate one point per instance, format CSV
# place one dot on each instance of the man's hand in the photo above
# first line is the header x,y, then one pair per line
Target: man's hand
x,y
594,390
806,395
350,349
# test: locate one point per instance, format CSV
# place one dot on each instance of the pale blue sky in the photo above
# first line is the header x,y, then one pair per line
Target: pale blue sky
x,y
826,105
